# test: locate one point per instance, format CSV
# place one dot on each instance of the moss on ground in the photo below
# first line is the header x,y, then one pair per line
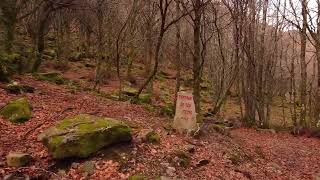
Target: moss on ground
x,y
137,177
153,137
53,77
17,111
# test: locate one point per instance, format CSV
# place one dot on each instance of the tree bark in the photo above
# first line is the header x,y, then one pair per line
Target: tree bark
x,y
303,83
197,55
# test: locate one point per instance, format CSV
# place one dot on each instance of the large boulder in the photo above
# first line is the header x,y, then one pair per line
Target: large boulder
x,y
82,135
17,111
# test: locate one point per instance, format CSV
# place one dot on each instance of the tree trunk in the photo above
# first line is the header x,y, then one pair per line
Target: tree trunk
x,y
317,105
40,43
197,56
178,57
250,107
303,83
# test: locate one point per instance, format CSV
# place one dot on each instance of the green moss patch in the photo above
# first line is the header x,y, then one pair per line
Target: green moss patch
x,y
137,177
17,111
53,77
129,91
82,135
153,137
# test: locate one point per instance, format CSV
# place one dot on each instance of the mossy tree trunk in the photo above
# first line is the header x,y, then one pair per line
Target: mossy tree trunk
x,y
197,55
8,20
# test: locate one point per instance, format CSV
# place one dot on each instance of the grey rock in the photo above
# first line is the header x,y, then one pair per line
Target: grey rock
x,y
18,159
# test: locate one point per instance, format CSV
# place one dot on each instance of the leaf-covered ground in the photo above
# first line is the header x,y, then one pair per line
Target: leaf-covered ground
x,y
244,154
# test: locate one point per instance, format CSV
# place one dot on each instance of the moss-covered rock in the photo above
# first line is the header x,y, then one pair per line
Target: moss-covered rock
x,y
54,77
129,91
149,136
17,111
153,137
16,88
219,128
82,135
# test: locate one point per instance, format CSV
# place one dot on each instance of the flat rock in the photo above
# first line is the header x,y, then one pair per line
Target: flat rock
x,y
18,159
82,135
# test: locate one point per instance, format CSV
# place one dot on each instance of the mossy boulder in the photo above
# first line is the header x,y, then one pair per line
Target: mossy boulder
x,y
219,128
148,136
153,137
82,135
54,77
16,88
129,91
17,111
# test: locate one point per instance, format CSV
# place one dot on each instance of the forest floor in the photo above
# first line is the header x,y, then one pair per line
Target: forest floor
x,y
242,154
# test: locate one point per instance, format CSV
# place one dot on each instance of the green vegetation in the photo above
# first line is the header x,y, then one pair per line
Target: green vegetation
x,y
153,137
17,111
53,77
137,177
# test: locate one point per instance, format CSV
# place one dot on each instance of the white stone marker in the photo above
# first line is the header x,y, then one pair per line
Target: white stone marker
x,y
185,118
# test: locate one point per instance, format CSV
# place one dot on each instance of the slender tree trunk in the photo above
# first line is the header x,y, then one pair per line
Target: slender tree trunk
x,y
100,61
178,57
293,87
260,79
303,83
250,106
317,105
197,55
